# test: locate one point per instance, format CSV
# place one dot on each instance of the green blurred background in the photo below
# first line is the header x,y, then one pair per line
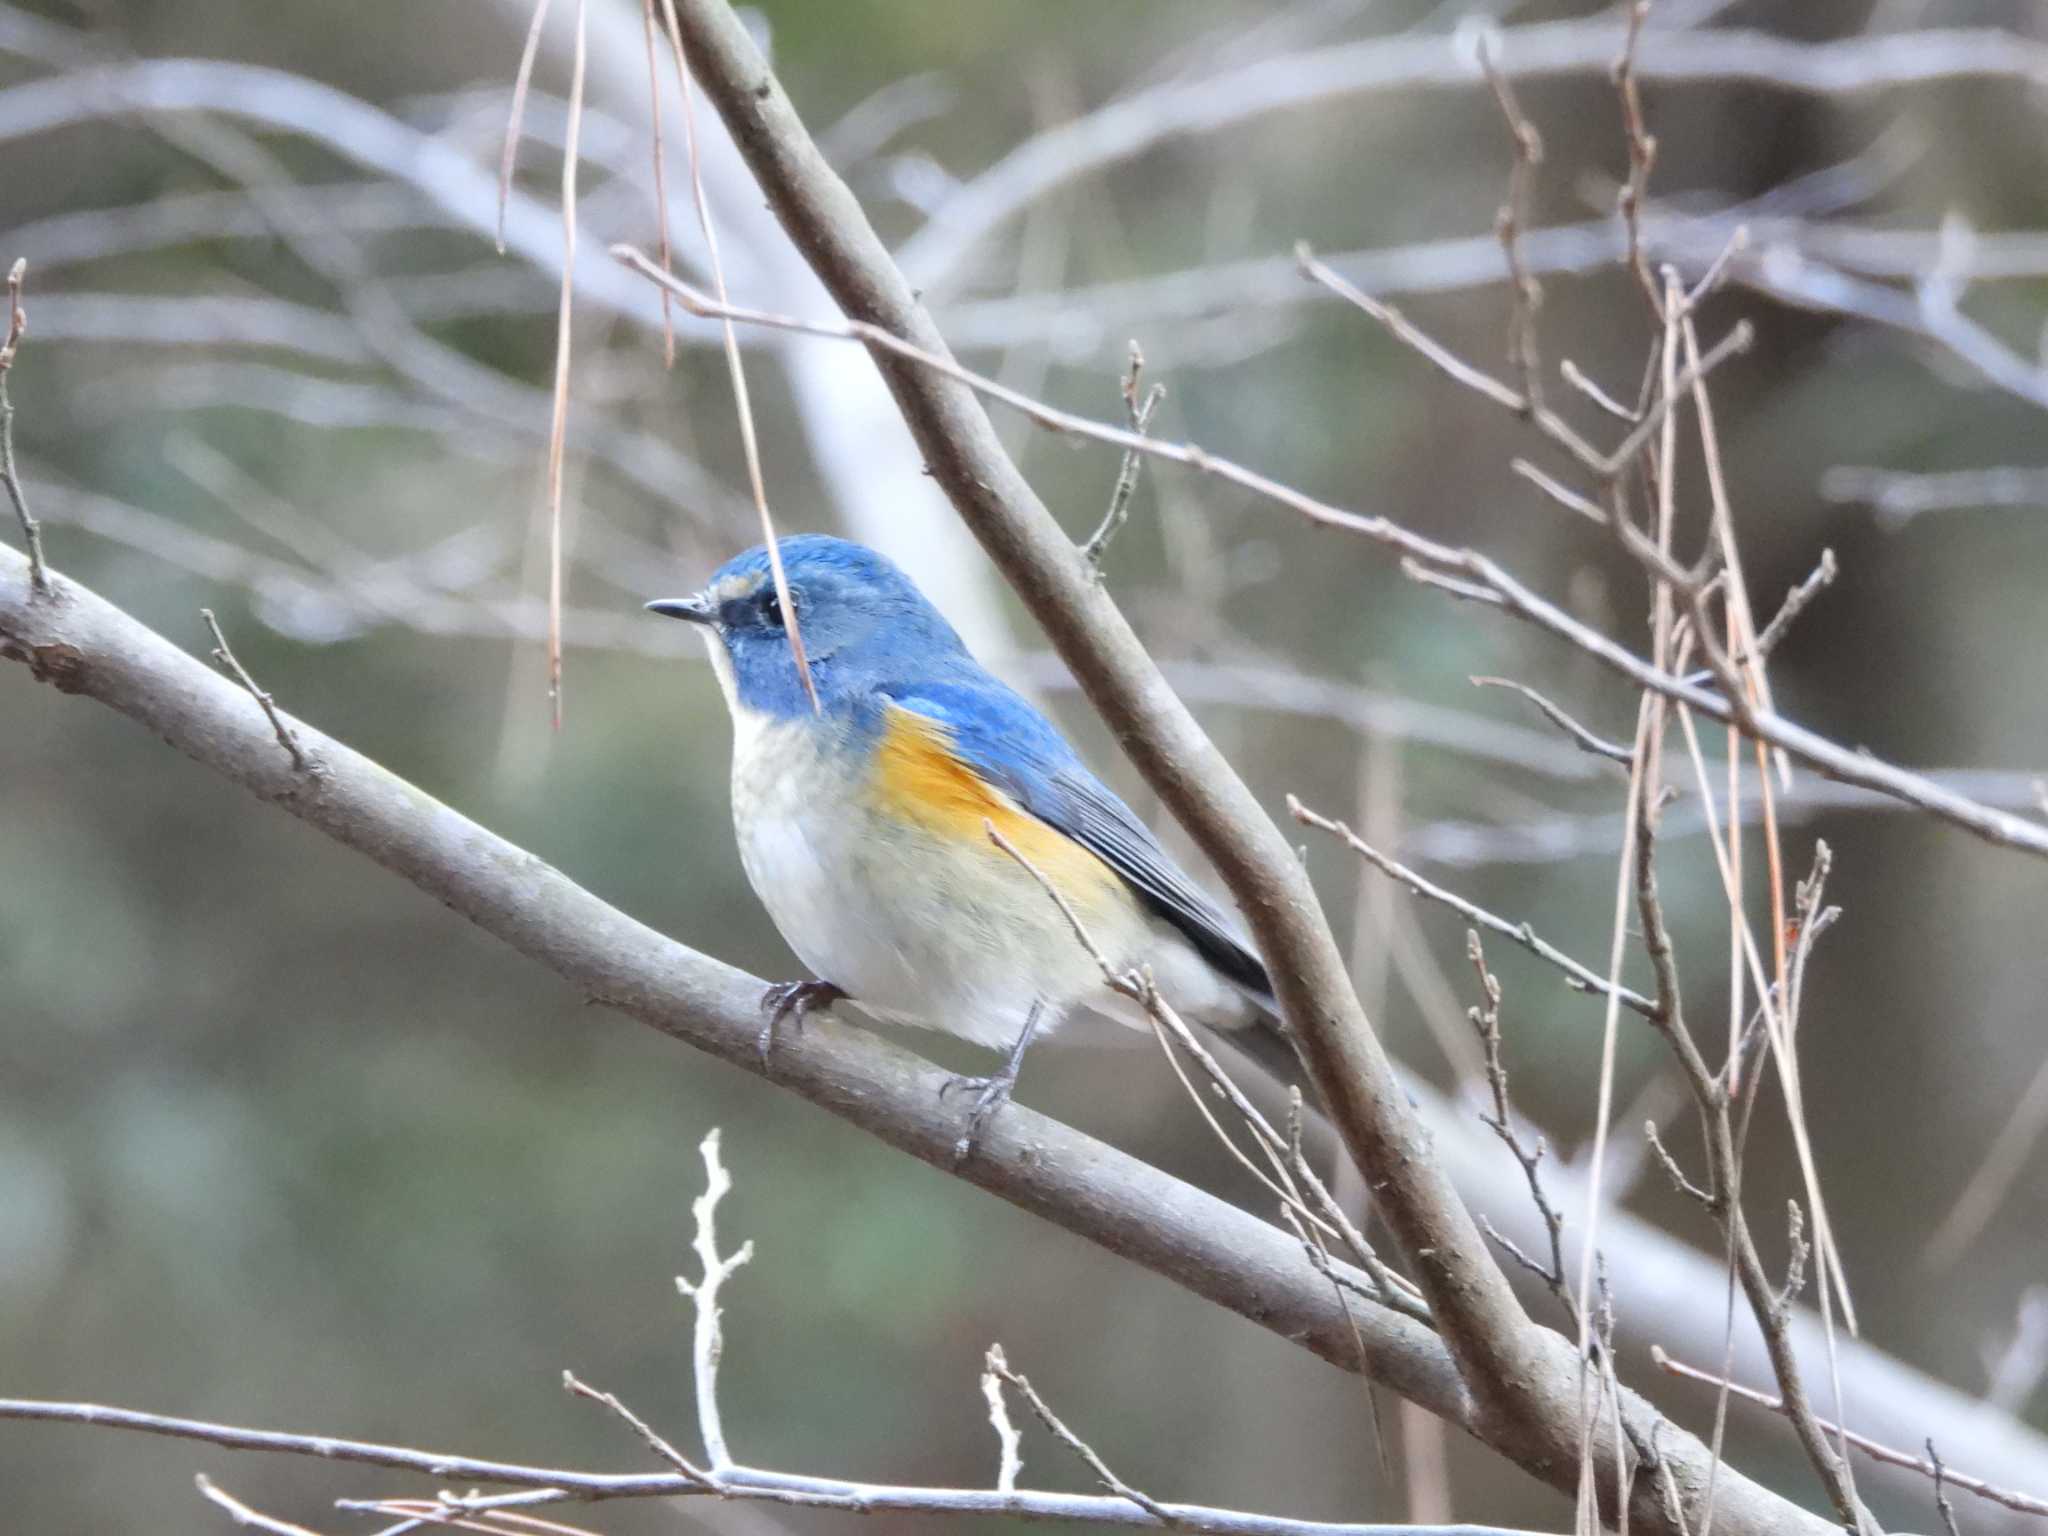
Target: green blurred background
x,y
284,1143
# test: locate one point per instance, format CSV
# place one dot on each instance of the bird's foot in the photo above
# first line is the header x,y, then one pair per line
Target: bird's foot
x,y
793,1000
991,1093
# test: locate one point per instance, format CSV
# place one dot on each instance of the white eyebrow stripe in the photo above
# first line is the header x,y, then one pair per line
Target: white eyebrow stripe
x,y
737,588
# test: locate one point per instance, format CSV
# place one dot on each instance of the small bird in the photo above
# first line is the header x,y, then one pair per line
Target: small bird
x,y
864,822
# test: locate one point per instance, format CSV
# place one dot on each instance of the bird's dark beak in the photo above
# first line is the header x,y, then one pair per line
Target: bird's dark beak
x,y
694,608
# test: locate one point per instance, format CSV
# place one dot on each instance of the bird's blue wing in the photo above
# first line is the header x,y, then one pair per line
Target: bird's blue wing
x,y
1003,739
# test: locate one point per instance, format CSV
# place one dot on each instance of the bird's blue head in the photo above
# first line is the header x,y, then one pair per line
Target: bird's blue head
x,y
862,620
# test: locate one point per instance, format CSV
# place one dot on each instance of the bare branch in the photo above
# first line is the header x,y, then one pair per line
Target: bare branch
x,y
1796,602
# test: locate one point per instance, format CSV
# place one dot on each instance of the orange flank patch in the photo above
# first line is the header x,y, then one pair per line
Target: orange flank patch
x,y
920,778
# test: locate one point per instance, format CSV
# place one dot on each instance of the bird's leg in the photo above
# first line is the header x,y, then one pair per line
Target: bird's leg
x,y
993,1092
792,1000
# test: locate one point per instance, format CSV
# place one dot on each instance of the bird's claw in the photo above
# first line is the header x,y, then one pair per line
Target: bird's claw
x,y
792,1000
990,1094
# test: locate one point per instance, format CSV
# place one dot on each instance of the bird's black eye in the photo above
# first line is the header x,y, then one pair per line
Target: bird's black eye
x,y
771,609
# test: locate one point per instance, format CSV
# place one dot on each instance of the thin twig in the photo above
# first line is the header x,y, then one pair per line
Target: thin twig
x,y
1485,1017
1138,410
1605,467
242,1514
1508,225
1583,382
1599,746
1941,1501
647,1433
1796,601
1074,1442
1679,1179
31,530
1642,153
229,662
1522,933
1292,1181
2027,1503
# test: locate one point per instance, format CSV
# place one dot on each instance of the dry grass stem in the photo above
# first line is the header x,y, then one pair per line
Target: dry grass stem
x,y
649,26
508,159
558,429
749,442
